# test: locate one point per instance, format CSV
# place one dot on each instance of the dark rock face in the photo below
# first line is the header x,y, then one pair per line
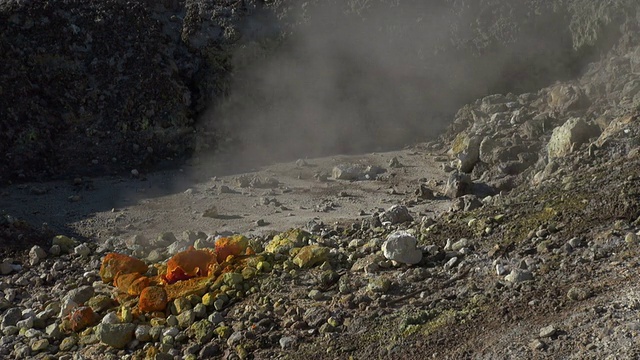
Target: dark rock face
x,y
101,87
83,81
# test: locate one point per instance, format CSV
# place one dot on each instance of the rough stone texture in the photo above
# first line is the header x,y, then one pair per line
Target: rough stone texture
x,y
458,185
311,255
284,242
115,335
348,172
571,134
401,247
396,214
467,150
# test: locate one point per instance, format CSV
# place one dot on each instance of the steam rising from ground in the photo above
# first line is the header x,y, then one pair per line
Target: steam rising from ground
x,y
350,79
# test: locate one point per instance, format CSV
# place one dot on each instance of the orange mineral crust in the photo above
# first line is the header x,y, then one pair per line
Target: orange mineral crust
x,y
187,272
189,264
153,298
114,264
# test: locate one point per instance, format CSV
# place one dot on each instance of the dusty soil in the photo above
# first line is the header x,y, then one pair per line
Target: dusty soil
x,y
96,208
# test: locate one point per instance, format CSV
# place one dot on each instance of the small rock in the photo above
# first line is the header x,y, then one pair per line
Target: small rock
x,y
572,133
425,193
223,331
282,243
451,263
459,184
315,295
100,302
578,294
575,243
400,246
82,250
79,295
172,320
287,342
235,338
22,351
178,246
348,172
164,240
115,335
200,310
55,250
548,331
6,268
11,317
32,333
218,304
232,278
68,343
186,318
40,345
395,163
517,276
631,238
36,254
10,330
311,255
215,318
111,318
201,331
65,243
180,305
210,350
143,333
25,323
379,285
172,331
462,243
396,214
537,344
53,330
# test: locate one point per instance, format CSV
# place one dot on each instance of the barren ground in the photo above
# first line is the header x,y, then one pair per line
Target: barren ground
x,y
177,200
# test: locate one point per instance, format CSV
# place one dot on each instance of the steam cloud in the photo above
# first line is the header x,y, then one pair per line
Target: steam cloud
x,y
351,77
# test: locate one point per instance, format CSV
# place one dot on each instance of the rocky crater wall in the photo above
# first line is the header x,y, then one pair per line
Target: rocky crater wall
x,y
104,87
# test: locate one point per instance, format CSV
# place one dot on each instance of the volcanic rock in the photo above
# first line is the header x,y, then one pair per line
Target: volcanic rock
x,y
115,335
571,134
400,246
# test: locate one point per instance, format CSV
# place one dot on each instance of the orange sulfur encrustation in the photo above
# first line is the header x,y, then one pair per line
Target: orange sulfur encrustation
x,y
82,318
132,284
231,246
114,264
189,264
187,272
153,298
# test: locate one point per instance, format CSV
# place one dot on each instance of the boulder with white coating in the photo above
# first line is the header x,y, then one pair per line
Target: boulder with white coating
x,y
400,246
